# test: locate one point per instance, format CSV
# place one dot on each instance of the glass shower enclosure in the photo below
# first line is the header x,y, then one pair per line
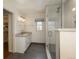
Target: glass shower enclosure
x,y
59,14
54,21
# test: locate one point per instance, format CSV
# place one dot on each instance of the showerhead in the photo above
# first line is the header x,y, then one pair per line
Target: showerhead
x,y
58,9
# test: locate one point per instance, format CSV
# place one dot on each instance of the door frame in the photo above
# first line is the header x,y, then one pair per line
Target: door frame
x,y
10,30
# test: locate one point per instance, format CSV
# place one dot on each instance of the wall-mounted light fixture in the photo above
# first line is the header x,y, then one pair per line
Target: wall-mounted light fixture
x,y
22,19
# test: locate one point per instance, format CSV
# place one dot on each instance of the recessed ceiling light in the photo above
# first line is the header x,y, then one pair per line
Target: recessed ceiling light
x,y
73,9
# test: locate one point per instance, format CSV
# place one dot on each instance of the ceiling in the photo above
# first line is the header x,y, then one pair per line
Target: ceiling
x,y
28,7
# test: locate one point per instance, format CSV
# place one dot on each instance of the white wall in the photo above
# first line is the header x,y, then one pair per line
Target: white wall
x,y
37,36
18,27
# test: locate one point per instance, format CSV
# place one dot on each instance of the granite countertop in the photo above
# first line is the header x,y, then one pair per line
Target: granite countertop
x,y
23,34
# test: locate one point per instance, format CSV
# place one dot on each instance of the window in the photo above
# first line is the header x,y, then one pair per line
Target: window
x,y
39,25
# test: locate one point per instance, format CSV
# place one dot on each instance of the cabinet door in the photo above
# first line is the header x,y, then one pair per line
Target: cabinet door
x,y
20,44
67,45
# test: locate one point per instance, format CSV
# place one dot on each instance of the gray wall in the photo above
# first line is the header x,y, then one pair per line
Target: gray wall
x,y
67,14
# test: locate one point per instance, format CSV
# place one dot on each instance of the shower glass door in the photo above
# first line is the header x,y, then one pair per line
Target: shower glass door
x,y
54,22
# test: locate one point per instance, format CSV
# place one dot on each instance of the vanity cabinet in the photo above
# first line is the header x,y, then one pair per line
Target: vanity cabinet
x,y
22,43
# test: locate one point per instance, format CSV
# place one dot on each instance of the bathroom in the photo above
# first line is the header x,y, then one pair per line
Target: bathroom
x,y
44,22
